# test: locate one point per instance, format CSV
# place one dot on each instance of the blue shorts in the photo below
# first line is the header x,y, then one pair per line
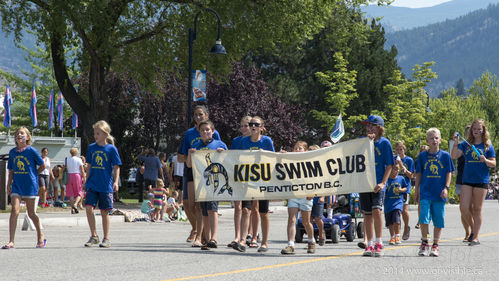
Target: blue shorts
x,y
432,210
303,204
208,206
317,210
370,201
104,199
392,217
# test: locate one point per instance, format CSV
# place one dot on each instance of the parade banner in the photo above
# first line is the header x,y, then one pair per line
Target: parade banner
x,y
247,175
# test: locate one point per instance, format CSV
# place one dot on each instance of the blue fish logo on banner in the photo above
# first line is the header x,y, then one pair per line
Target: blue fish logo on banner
x,y
199,85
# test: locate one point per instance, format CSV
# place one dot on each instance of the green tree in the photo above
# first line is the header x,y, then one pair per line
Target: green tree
x,y
341,91
407,115
144,36
486,89
460,87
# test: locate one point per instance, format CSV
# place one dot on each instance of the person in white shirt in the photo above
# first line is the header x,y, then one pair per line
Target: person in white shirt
x,y
76,177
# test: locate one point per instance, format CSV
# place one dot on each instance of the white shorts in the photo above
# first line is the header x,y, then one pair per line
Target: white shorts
x,y
23,197
301,203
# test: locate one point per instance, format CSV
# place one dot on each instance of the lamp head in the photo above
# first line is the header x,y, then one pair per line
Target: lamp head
x,y
218,48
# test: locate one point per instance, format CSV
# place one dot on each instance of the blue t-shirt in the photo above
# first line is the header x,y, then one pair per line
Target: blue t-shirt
x,y
383,156
152,166
474,170
409,165
394,201
433,169
192,138
102,159
264,143
25,175
236,143
212,145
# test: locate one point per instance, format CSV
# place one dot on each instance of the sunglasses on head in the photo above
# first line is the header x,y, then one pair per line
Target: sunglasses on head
x,y
254,124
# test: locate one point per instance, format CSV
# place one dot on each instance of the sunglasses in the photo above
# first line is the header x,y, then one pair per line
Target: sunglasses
x,y
255,124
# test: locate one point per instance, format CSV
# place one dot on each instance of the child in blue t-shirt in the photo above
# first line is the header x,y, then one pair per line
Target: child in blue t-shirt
x,y
434,168
148,207
104,164
396,186
22,183
209,209
407,171
371,203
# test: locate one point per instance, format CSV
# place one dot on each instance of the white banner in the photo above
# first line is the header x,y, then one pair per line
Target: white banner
x,y
246,175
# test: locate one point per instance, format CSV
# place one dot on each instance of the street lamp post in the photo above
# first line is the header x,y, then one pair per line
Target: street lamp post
x,y
216,49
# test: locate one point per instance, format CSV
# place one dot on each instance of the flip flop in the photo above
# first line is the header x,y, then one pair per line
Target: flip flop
x,y
7,247
41,244
253,244
262,249
194,245
212,244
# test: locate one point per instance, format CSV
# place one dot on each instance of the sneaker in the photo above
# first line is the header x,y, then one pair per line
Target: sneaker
x,y
105,243
311,248
378,250
423,249
392,241
94,240
434,250
397,240
322,241
369,252
289,250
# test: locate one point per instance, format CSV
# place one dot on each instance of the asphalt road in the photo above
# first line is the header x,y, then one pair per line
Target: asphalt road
x,y
154,251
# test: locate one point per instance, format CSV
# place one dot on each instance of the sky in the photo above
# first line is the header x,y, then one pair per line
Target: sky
x,y
418,3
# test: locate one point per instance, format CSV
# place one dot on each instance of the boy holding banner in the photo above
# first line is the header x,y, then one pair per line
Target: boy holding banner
x,y
209,209
371,203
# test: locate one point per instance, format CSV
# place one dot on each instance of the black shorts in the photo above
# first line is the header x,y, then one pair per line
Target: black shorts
x,y
370,201
477,185
150,183
43,180
263,205
392,217
317,210
208,206
189,175
178,182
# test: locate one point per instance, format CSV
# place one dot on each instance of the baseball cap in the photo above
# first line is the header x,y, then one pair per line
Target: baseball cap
x,y
375,120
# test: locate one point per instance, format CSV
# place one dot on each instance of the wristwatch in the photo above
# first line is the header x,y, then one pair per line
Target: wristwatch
x,y
446,187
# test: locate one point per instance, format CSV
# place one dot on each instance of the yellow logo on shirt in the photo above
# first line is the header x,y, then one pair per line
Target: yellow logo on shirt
x,y
474,155
98,160
20,165
434,169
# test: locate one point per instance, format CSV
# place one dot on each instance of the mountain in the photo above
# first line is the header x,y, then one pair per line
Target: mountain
x,y
12,58
401,18
462,48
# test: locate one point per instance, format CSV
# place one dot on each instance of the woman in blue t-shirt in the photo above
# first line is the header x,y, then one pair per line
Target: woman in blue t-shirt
x,y
256,141
191,139
236,143
479,157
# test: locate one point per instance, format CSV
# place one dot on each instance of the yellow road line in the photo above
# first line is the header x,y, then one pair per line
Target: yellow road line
x,y
306,261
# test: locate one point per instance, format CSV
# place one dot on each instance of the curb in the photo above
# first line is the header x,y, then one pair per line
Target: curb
x,y
63,221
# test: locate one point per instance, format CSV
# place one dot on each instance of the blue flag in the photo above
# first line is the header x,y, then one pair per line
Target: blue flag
x,y
32,108
338,130
60,109
7,102
75,120
50,106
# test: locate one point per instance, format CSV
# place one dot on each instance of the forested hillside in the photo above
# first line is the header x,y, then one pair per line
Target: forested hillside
x,y
462,48
402,18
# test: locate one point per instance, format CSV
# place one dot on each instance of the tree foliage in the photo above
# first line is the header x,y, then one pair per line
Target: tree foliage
x,y
246,93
